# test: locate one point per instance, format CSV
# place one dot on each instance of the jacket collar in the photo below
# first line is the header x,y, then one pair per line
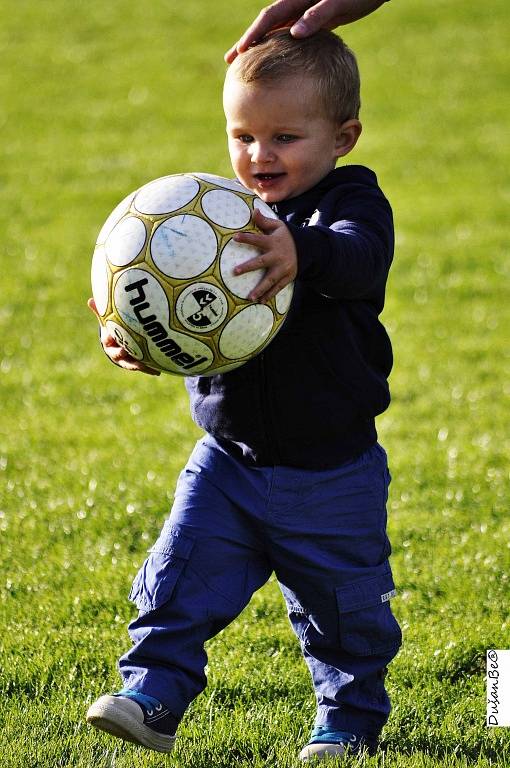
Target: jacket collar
x,y
296,207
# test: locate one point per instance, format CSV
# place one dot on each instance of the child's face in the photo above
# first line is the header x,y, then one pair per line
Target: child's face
x,y
280,142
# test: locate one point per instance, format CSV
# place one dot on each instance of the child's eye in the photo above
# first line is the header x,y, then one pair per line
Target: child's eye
x,y
245,138
286,138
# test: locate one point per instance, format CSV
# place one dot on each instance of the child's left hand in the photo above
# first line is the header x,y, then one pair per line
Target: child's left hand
x,y
278,257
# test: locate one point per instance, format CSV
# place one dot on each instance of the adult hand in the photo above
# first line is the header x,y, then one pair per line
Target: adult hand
x,y
304,18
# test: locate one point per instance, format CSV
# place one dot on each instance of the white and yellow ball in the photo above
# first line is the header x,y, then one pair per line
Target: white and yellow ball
x,y
163,281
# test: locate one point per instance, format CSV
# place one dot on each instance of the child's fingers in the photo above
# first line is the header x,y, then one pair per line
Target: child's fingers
x,y
273,281
142,368
252,238
276,288
128,365
265,223
121,357
258,240
107,340
258,262
131,365
117,354
91,304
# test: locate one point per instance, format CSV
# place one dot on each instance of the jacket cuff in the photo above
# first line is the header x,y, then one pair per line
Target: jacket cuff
x,y
310,243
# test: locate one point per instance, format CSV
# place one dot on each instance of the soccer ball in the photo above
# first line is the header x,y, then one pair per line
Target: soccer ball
x,y
163,282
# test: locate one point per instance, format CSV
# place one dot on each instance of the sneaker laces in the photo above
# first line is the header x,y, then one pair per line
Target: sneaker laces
x,y
149,703
324,734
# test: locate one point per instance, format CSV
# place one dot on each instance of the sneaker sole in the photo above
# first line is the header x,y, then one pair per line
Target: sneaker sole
x,y
121,719
318,751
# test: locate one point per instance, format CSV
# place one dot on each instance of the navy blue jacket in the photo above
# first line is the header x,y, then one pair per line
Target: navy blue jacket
x,y
310,398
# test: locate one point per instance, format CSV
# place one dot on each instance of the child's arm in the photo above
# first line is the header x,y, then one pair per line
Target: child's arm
x,y
117,354
348,259
347,249
345,253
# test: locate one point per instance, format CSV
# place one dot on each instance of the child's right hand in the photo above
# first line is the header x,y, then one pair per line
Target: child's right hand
x,y
117,354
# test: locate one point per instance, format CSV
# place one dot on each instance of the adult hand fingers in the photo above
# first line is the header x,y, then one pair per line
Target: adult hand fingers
x,y
328,14
231,54
325,14
280,13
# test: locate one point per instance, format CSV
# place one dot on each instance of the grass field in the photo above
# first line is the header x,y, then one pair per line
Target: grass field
x,y
98,98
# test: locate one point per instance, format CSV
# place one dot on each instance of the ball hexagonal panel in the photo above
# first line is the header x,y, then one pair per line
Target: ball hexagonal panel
x,y
125,241
263,207
226,209
115,216
166,195
283,298
232,255
246,332
183,246
219,181
99,277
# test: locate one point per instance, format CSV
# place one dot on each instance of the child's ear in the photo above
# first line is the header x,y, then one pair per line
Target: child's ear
x,y
346,137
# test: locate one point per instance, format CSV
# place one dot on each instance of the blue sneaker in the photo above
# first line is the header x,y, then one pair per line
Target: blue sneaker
x,y
326,742
135,717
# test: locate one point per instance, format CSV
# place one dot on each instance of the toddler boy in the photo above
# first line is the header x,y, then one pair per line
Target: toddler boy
x,y
289,476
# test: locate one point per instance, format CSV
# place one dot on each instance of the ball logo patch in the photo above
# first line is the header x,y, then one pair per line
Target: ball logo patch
x,y
201,307
147,312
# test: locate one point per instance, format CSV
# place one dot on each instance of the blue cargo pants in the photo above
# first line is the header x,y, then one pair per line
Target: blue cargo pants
x,y
323,533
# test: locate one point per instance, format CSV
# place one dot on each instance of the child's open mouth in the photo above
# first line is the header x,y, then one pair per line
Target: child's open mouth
x,y
267,178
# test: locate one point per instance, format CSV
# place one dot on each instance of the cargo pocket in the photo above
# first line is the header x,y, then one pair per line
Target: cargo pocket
x,y
367,625
155,581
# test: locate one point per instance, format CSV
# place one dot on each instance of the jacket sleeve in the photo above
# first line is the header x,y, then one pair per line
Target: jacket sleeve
x,y
347,253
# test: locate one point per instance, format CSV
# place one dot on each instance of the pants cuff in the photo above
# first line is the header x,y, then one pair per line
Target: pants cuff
x,y
352,722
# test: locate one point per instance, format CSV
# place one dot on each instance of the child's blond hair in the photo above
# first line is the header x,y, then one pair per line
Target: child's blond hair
x,y
324,57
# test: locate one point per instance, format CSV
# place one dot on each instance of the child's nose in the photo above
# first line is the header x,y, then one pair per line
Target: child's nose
x,y
261,153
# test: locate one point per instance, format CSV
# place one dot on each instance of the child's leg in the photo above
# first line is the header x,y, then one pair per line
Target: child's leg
x,y
330,555
202,571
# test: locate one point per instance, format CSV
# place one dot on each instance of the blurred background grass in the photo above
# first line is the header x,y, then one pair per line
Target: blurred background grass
x,y
95,100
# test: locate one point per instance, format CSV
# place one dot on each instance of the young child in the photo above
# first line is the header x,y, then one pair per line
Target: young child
x,y
289,476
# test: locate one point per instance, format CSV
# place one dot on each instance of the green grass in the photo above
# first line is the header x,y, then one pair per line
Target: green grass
x,y
97,98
